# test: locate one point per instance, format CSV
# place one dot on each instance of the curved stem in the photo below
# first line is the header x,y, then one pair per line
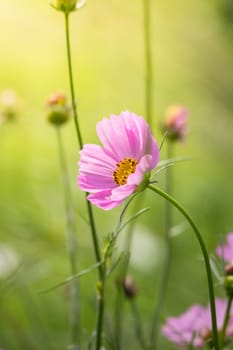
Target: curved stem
x,y
89,207
205,256
74,291
226,319
148,61
167,260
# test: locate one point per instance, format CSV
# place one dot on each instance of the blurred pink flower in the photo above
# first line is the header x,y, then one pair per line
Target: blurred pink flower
x,y
9,106
56,99
184,329
175,122
221,306
194,327
226,251
114,171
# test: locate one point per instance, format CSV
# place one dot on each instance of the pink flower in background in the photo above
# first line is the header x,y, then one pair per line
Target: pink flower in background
x,y
194,327
221,306
56,99
175,122
184,329
9,106
114,171
226,251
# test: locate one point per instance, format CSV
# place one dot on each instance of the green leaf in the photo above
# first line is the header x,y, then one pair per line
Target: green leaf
x,y
71,278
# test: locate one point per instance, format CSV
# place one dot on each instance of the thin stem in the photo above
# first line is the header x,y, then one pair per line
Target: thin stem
x,y
72,251
102,283
119,303
101,307
148,61
205,256
167,259
94,236
118,319
138,324
74,107
226,319
89,207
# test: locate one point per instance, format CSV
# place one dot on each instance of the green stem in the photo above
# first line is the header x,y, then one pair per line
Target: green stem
x,y
138,325
205,256
102,283
167,259
119,304
72,251
226,319
118,319
89,207
148,61
74,107
101,307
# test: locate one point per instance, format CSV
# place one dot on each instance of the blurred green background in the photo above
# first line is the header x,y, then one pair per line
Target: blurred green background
x,y
192,65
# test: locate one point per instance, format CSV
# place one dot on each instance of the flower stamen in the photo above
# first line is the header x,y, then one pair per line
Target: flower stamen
x,y
125,168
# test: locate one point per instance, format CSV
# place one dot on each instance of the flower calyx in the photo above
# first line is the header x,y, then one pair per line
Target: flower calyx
x,y
67,6
175,123
58,109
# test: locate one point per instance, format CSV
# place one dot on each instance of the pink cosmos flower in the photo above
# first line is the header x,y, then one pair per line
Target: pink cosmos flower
x,y
226,251
194,327
114,171
221,306
175,122
184,329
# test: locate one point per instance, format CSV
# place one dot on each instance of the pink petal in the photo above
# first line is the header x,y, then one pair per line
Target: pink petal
x,y
95,183
96,169
103,200
127,135
226,251
184,329
230,239
121,192
143,167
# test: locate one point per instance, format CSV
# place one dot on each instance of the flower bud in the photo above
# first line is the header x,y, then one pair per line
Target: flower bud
x,y
228,281
8,106
175,123
129,287
58,110
67,6
229,268
228,284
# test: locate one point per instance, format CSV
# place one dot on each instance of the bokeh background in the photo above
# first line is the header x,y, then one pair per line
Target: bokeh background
x,y
192,65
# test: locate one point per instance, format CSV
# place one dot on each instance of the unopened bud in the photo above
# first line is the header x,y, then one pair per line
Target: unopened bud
x,y
58,110
175,123
228,284
229,269
67,6
9,106
99,289
129,287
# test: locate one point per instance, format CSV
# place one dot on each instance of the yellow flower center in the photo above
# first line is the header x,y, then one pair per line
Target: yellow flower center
x,y
125,167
